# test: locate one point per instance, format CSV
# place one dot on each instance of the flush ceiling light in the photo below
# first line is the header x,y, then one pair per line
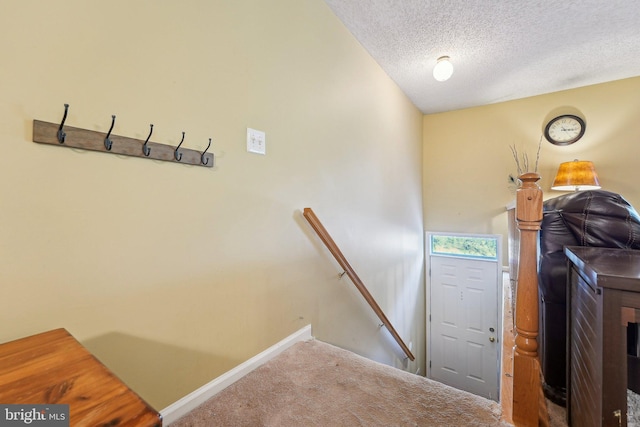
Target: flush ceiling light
x,y
443,69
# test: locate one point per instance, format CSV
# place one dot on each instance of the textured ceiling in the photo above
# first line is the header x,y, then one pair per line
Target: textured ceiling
x,y
500,49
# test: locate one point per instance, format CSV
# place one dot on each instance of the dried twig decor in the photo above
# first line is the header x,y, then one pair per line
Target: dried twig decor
x,y
525,159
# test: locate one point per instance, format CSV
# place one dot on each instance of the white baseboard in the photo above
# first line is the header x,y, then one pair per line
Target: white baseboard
x,y
183,406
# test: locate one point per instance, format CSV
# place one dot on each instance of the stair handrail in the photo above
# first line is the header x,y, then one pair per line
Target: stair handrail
x,y
335,251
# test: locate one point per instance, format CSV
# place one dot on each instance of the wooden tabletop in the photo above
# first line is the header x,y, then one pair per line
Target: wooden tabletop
x,y
607,267
54,368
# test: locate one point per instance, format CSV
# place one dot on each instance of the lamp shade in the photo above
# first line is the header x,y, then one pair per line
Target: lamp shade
x,y
576,175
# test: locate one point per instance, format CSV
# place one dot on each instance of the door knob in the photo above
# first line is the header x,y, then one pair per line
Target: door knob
x,y
492,339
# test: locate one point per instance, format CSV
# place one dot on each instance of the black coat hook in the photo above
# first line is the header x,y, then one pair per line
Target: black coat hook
x,y
177,155
107,142
146,150
202,159
61,134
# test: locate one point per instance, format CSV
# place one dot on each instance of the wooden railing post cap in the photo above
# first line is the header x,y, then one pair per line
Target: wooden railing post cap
x,y
529,199
529,179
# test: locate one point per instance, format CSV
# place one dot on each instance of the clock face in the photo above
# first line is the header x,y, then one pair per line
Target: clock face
x,y
564,130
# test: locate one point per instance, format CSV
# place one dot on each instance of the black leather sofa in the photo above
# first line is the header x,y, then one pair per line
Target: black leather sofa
x,y
588,218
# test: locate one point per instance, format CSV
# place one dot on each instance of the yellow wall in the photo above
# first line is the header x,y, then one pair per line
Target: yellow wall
x,y
467,159
173,274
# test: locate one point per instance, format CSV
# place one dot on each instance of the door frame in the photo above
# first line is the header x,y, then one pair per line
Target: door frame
x,y
499,290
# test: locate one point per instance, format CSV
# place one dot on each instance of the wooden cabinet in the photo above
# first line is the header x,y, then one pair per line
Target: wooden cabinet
x,y
53,367
603,298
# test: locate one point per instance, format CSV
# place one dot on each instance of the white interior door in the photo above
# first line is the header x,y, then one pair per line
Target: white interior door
x,y
463,321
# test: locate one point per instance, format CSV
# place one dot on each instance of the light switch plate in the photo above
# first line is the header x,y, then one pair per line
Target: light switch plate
x,y
256,141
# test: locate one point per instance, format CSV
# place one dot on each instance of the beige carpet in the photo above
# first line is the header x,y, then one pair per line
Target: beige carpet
x,y
317,384
557,415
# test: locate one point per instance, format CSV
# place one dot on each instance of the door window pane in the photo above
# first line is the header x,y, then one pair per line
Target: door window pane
x,y
466,246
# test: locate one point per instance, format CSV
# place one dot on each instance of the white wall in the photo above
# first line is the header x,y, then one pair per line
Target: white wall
x,y
173,274
467,155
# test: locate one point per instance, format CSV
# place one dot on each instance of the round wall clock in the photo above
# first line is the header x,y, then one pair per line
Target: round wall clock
x,y
564,130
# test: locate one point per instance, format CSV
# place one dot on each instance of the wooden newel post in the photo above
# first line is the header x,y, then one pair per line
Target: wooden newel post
x,y
526,367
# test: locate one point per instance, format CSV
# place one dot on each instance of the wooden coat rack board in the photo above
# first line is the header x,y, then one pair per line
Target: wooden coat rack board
x,y
67,136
